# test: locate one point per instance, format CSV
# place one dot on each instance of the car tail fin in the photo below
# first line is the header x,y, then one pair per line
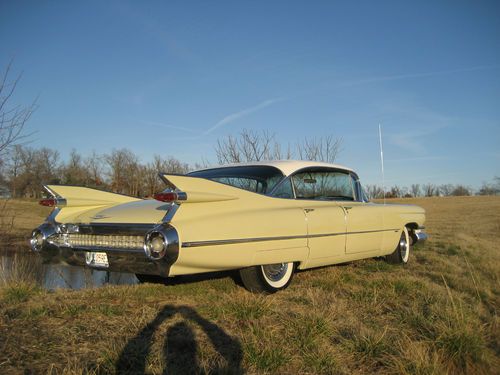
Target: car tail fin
x,y
77,196
194,190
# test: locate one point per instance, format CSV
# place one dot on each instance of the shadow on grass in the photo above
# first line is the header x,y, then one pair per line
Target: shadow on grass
x,y
180,347
192,279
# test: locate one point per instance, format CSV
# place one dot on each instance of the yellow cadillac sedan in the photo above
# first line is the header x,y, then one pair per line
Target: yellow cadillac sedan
x,y
265,219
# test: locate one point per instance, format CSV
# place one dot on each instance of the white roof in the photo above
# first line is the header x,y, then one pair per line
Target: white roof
x,y
286,166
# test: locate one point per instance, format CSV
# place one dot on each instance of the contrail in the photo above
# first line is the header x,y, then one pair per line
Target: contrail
x,y
245,112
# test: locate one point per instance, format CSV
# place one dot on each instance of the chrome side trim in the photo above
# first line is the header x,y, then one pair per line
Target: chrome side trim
x,y
170,213
277,238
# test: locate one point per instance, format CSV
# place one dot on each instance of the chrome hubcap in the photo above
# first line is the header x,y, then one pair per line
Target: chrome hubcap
x,y
275,272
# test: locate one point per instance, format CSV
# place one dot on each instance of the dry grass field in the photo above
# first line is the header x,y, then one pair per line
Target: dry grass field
x,y
436,315
18,218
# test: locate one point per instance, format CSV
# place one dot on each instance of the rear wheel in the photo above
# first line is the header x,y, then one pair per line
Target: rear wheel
x,y
268,278
402,253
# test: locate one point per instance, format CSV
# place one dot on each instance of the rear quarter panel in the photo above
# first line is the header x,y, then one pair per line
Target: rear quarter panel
x,y
252,216
397,216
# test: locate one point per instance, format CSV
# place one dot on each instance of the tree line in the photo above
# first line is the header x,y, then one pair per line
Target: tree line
x,y
23,170
26,169
432,190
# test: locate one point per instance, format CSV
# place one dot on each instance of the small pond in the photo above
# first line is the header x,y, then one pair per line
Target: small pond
x,y
21,264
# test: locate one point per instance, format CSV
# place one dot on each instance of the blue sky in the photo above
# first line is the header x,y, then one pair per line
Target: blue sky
x,y
171,78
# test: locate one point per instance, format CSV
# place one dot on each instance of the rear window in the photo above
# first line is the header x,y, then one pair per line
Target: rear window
x,y
323,185
257,179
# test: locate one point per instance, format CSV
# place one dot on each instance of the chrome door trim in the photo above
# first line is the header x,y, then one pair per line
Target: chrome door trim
x,y
277,238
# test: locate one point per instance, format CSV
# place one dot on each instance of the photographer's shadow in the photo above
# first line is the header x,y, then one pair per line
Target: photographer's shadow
x,y
180,347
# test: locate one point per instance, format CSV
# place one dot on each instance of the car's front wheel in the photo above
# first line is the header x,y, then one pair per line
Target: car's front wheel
x,y
401,254
267,278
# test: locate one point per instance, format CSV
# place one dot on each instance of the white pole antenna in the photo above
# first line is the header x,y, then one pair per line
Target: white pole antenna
x,y
382,159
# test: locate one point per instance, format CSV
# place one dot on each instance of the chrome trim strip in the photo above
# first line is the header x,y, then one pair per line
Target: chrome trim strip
x,y
104,249
60,201
114,228
278,238
170,213
51,192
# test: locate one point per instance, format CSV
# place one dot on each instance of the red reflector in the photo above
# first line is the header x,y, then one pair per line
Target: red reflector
x,y
49,202
166,196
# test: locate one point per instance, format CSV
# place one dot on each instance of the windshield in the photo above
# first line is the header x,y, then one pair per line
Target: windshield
x,y
257,179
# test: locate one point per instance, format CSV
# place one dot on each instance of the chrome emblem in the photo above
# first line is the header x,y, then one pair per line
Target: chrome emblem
x,y
97,217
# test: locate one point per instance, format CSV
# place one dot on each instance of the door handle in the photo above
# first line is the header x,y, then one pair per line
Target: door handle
x,y
306,210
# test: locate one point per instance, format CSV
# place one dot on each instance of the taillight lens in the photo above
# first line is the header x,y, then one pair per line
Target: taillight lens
x,y
48,202
166,196
170,196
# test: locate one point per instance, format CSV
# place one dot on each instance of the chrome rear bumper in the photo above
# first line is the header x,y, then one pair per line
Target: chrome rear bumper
x,y
125,251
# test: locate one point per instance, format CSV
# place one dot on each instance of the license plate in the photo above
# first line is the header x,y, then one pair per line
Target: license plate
x,y
95,259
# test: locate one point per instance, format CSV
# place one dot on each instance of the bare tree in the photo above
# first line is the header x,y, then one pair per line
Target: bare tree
x,y
74,171
430,190
123,168
461,190
254,146
95,166
13,118
415,190
374,191
446,189
395,192
247,146
319,149
490,189
152,183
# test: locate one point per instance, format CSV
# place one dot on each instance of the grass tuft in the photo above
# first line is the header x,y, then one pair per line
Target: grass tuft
x,y
20,292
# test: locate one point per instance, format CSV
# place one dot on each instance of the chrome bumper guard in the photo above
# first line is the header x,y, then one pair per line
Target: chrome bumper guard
x,y
126,246
418,236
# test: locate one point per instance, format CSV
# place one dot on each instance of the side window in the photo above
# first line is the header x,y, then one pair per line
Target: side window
x,y
360,190
284,190
323,185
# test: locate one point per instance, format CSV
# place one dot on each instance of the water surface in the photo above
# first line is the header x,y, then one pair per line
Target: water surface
x,y
25,265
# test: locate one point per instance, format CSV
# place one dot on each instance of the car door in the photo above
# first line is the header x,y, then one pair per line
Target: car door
x,y
326,223
365,222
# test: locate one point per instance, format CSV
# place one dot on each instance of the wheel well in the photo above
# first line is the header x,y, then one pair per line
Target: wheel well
x,y
411,229
411,225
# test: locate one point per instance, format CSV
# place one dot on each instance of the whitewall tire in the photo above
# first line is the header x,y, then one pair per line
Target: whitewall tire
x,y
401,254
268,278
